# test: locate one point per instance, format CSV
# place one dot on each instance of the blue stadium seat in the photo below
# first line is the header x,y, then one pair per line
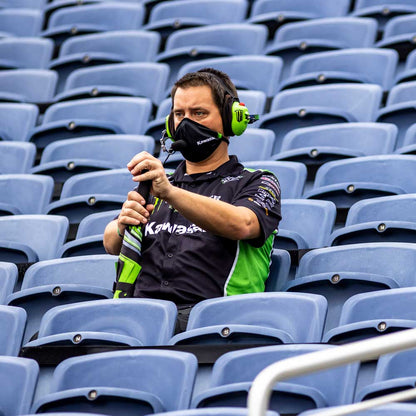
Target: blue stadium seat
x,y
166,17
19,378
291,175
89,236
279,270
253,144
305,224
155,126
215,40
137,79
132,322
51,283
233,373
213,411
255,318
347,181
248,72
89,193
13,321
22,193
274,13
70,413
93,18
317,35
165,383
58,4
409,71
23,4
388,218
64,158
27,52
382,10
32,237
17,121
104,48
28,85
93,116
398,35
394,372
16,157
343,271
356,65
397,409
8,280
400,109
20,22
409,142
368,315
322,104
95,223
254,100
317,145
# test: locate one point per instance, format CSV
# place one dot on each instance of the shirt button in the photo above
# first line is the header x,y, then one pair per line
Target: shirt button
x,y
170,255
165,283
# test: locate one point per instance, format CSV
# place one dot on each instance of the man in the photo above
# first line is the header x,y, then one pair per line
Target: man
x,y
209,231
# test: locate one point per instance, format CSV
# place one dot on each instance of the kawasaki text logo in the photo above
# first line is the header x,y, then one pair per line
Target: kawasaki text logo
x,y
151,229
210,139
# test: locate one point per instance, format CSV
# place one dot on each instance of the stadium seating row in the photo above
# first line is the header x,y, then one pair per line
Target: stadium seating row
x,y
289,109
343,182
97,46
102,382
164,15
337,273
306,224
131,76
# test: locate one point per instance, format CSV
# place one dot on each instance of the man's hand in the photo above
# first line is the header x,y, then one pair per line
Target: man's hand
x,y
133,211
161,187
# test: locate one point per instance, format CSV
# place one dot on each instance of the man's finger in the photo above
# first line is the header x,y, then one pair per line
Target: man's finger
x,y
137,159
134,196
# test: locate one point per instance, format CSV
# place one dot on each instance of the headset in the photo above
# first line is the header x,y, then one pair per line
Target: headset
x,y
235,115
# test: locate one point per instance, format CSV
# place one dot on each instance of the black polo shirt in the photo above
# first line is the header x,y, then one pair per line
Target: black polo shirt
x,y
186,264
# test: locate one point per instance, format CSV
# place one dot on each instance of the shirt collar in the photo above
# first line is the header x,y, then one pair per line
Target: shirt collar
x,y
226,169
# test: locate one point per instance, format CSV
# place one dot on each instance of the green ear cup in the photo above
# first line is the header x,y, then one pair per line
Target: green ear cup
x,y
168,132
239,118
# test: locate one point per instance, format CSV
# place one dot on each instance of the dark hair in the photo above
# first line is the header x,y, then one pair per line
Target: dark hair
x,y
219,82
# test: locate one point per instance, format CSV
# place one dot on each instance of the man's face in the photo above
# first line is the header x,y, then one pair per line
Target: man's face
x,y
197,104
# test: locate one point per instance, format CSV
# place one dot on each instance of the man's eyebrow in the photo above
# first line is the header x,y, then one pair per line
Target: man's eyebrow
x,y
191,108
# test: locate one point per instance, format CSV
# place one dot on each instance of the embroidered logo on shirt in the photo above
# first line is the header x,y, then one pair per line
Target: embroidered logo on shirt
x,y
230,179
267,193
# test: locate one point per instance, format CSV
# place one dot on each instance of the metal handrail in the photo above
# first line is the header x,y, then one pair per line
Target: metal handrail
x,y
348,409
370,349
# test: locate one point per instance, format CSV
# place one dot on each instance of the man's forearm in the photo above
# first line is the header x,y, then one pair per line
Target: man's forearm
x,y
112,241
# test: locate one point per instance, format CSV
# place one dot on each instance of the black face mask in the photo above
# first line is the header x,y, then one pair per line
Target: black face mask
x,y
195,141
